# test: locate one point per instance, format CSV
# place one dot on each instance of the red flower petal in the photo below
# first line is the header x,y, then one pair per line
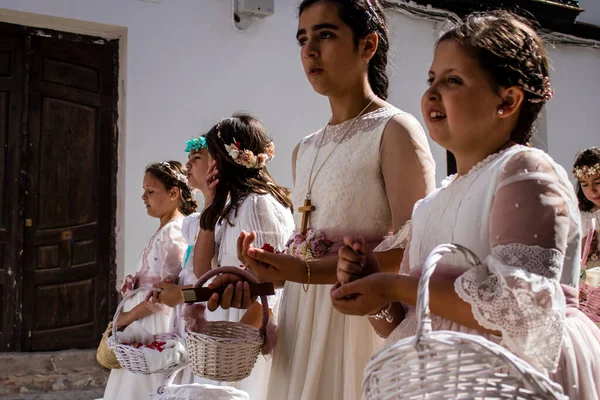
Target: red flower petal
x,y
268,247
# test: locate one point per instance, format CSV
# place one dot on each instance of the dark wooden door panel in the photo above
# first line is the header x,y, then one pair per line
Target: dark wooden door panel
x,y
67,263
11,114
58,143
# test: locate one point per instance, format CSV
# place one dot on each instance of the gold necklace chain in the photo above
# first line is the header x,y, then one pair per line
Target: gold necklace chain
x,y
310,177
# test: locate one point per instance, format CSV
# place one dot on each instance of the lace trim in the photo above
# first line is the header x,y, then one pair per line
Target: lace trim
x,y
526,308
534,259
365,123
454,178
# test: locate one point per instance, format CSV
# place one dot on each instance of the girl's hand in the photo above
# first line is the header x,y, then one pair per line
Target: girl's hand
x,y
269,267
365,296
355,260
212,180
236,294
170,295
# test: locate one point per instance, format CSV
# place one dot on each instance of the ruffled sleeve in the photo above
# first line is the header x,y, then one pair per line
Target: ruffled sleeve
x,y
516,290
171,248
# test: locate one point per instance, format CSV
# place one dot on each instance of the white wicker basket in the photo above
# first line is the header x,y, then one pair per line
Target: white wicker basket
x,y
451,365
226,351
194,391
130,358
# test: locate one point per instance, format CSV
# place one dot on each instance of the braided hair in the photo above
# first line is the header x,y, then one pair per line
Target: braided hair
x,y
508,48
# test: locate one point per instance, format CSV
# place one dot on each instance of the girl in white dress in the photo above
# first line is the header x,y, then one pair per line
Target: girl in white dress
x,y
196,170
509,203
362,172
168,198
242,197
587,172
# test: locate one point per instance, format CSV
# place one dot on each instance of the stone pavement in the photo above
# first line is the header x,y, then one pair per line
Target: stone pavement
x,y
92,394
69,375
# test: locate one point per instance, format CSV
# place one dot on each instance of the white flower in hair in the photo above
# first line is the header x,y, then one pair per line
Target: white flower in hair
x,y
246,158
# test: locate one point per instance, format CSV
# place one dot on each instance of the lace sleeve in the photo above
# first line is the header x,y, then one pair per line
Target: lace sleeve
x,y
517,289
171,250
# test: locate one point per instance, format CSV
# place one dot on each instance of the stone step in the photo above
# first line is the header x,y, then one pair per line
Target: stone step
x,y
67,371
92,394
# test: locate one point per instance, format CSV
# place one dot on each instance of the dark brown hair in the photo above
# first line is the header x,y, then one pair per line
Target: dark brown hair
x,y
236,181
172,174
364,17
508,48
589,157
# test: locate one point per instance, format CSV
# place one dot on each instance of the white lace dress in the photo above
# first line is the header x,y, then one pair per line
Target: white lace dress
x,y
161,258
518,212
321,353
273,224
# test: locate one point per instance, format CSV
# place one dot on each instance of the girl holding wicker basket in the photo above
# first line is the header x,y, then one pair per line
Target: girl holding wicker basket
x,y
512,205
168,198
241,196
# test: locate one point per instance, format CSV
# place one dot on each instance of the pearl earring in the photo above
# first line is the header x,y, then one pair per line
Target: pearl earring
x,y
500,111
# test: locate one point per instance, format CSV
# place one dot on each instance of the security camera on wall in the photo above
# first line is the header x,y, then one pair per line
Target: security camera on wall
x,y
244,10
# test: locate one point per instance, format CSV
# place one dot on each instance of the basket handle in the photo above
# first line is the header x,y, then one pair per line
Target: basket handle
x,y
247,277
423,314
169,381
120,308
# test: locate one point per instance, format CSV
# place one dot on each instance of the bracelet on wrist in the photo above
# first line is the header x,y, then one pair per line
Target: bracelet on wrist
x,y
384,314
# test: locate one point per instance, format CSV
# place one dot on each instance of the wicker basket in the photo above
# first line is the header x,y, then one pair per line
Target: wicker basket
x,y
104,355
170,391
130,358
589,301
451,365
226,351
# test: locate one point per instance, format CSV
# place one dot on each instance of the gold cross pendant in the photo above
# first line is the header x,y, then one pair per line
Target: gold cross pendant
x,y
306,210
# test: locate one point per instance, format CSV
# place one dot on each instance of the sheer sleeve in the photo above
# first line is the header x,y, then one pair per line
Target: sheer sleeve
x,y
517,288
273,225
407,166
171,251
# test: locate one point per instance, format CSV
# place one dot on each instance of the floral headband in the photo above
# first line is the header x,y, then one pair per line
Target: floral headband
x,y
195,144
586,171
166,167
246,158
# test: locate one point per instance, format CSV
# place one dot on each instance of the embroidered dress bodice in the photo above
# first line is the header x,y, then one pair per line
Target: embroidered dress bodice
x,y
349,180
161,257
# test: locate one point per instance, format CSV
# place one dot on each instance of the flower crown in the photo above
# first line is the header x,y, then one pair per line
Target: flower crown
x,y
166,167
586,171
195,144
246,158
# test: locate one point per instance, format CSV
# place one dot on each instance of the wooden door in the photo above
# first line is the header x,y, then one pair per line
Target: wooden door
x,y
68,194
11,102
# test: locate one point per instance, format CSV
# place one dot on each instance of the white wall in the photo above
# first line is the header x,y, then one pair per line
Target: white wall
x,y
185,67
591,14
